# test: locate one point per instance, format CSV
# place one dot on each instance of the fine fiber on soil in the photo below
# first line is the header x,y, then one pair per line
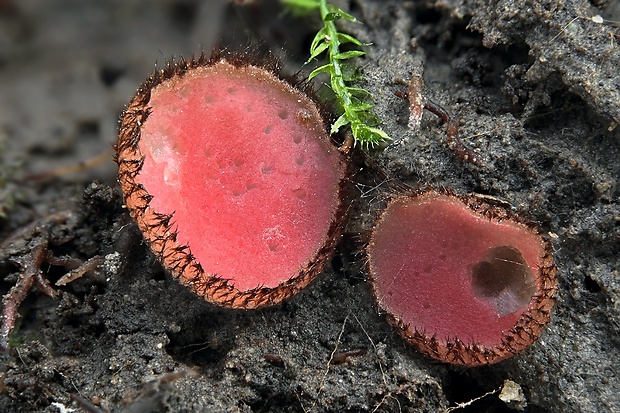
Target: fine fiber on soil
x,y
535,88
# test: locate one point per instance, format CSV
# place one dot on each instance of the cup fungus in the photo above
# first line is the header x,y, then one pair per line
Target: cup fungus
x,y
232,178
465,280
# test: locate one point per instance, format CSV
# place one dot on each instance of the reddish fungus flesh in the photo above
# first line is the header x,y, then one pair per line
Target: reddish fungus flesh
x,y
449,275
241,162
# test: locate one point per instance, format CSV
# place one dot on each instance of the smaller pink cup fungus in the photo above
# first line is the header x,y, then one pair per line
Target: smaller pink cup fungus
x,y
466,281
232,178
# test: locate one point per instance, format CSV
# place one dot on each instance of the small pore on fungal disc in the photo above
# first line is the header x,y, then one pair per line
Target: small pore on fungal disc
x,y
456,281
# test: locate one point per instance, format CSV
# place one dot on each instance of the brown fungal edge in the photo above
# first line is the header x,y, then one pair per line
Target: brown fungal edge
x,y
158,229
528,327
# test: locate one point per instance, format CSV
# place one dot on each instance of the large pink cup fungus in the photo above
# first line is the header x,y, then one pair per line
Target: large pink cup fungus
x,y
232,178
464,280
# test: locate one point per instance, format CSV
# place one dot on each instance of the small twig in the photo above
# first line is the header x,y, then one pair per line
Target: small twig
x,y
418,102
383,375
465,404
64,376
19,355
70,169
344,356
86,405
300,402
32,255
452,134
19,292
56,218
331,358
375,348
87,266
415,95
388,395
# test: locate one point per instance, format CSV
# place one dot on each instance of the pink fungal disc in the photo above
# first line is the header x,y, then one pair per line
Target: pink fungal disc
x,y
232,178
466,281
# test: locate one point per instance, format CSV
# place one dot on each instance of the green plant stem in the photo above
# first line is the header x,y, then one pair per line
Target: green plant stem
x,y
337,80
354,101
362,132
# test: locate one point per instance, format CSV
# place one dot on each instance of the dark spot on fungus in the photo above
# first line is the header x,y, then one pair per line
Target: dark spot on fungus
x,y
232,246
300,193
487,300
504,279
273,245
186,90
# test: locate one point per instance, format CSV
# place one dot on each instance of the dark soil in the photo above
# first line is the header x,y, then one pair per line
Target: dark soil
x,y
536,88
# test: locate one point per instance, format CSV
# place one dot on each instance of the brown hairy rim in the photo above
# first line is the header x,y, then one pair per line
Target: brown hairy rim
x,y
529,326
158,229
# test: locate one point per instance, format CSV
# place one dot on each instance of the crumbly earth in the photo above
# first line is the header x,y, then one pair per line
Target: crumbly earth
x,y
536,89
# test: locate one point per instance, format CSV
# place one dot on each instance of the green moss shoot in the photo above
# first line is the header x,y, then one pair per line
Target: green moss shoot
x,y
354,101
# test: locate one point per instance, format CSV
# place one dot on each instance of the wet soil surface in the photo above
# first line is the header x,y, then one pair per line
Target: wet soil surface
x,y
535,86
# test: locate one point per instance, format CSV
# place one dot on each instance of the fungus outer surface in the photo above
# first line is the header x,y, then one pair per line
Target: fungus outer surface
x,y
454,278
240,168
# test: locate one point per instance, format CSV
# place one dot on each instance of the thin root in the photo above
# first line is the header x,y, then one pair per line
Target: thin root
x,y
31,267
452,134
87,266
30,264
